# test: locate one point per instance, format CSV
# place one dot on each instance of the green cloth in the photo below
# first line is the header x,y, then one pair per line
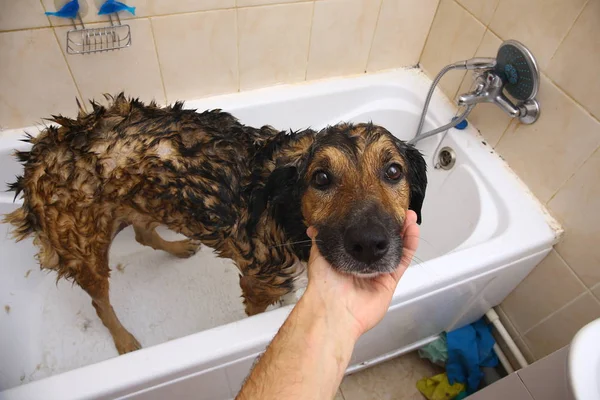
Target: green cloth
x,y
436,351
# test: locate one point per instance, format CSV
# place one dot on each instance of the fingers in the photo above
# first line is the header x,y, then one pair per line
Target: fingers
x,y
410,236
410,219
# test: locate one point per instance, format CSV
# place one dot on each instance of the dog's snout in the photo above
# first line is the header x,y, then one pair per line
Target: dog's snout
x,y
367,244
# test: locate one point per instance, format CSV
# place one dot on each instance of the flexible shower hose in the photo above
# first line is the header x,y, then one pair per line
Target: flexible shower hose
x,y
451,124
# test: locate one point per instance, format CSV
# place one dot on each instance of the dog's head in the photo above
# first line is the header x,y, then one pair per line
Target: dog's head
x,y
355,184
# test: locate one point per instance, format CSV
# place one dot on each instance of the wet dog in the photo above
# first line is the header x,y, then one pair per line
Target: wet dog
x,y
248,193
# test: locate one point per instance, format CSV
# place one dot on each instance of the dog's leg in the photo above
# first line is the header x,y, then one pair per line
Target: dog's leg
x,y
181,248
97,287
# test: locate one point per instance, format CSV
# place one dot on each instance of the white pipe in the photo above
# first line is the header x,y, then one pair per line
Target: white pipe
x,y
512,346
503,360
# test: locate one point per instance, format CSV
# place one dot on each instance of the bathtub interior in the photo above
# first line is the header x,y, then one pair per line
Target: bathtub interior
x,y
49,327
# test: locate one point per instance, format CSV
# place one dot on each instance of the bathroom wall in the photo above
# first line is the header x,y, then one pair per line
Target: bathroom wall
x,y
557,157
192,48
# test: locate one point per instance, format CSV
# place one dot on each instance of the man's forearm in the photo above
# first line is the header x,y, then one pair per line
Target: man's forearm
x,y
306,359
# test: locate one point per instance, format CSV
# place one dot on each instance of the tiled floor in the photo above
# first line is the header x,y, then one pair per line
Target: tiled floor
x,y
393,380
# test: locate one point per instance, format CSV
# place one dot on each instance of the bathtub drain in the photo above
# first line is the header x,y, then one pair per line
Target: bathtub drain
x,y
446,158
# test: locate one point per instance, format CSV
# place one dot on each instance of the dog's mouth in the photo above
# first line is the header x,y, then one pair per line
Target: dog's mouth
x,y
366,248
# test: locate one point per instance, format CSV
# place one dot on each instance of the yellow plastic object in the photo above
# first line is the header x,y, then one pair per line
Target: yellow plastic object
x,y
438,388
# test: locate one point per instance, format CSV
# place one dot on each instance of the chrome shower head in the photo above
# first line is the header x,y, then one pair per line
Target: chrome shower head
x,y
518,70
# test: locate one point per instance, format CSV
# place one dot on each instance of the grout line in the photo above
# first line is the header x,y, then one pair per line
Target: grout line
x,y
587,291
514,328
34,28
157,15
478,20
310,32
572,271
470,13
64,54
510,123
528,348
568,31
494,13
565,93
237,45
524,385
160,71
563,184
429,32
596,286
373,37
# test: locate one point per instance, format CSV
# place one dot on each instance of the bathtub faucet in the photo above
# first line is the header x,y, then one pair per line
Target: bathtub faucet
x,y
514,72
489,88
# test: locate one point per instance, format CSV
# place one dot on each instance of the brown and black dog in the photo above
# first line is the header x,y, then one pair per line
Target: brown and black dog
x,y
248,193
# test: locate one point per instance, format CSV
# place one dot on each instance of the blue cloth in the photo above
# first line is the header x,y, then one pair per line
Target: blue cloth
x,y
469,349
113,6
69,10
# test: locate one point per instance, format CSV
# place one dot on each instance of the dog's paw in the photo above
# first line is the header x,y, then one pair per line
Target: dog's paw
x,y
127,343
186,248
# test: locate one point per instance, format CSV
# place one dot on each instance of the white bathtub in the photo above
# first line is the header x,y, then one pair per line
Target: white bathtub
x,y
482,234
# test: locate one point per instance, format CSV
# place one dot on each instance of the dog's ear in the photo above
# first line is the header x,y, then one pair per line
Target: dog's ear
x,y
417,179
279,188
416,176
281,184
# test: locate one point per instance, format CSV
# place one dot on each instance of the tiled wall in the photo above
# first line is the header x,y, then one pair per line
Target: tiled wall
x,y
185,49
557,157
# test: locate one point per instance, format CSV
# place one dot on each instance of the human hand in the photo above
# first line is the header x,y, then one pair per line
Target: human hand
x,y
357,303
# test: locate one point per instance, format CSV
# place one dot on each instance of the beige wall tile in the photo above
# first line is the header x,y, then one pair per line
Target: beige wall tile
x,y
576,61
546,379
508,324
388,380
88,11
401,33
547,288
273,44
514,334
341,37
576,207
454,36
596,291
143,8
34,78
21,14
547,153
146,8
509,387
538,24
483,10
558,330
246,3
133,70
488,118
197,53
525,350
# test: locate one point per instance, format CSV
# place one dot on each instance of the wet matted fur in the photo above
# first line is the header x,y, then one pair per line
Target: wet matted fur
x,y
248,193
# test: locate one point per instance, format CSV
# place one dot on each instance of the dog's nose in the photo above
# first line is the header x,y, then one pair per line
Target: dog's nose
x,y
366,243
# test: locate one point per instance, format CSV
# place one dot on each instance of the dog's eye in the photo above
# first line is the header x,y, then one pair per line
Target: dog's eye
x,y
321,179
393,172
